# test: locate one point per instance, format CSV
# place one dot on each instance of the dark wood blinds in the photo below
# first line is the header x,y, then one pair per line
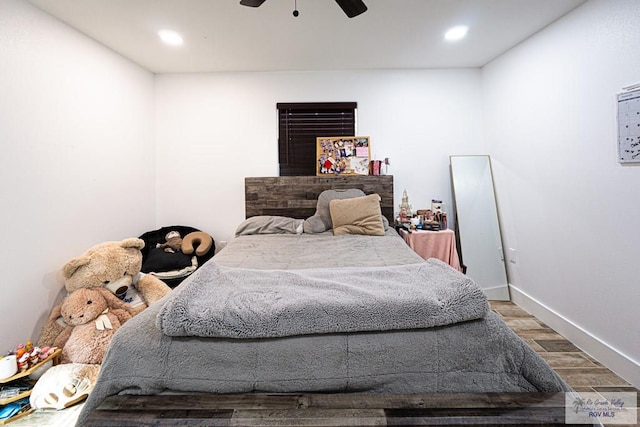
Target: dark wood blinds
x,y
299,124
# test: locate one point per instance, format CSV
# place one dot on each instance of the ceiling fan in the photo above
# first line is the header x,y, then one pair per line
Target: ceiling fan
x,y
350,7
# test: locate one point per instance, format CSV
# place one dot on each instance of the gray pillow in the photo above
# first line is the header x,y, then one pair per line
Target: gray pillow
x,y
269,225
321,221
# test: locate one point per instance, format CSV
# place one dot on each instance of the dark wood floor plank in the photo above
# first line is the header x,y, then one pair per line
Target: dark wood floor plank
x,y
155,417
439,400
348,409
309,417
205,401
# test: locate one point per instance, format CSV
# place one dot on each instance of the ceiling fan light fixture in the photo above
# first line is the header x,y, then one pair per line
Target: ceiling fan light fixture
x,y
456,33
252,3
352,8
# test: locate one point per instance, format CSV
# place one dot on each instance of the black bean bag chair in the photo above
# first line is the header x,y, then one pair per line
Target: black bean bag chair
x,y
171,267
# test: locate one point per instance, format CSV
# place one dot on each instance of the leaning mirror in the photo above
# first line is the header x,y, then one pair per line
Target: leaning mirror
x,y
477,224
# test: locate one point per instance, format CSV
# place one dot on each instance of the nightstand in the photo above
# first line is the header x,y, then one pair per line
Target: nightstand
x,y
433,244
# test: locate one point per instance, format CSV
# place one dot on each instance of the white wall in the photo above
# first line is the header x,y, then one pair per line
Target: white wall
x,y
215,129
79,165
76,160
568,208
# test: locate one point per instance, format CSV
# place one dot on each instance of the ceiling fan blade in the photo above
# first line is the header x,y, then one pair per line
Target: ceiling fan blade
x,y
352,7
252,3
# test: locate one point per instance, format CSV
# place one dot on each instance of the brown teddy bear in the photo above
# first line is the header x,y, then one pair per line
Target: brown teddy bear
x,y
92,316
173,242
116,267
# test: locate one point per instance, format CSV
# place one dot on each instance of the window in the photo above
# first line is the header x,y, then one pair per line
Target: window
x,y
299,124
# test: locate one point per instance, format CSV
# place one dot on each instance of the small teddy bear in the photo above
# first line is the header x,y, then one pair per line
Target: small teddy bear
x,y
173,242
92,316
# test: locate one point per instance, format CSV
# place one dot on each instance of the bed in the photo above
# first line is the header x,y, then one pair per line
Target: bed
x,y
318,313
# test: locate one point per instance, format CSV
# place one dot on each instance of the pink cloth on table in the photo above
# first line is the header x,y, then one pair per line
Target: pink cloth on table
x,y
434,244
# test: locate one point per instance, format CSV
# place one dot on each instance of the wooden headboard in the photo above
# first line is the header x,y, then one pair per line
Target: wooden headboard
x,y
296,196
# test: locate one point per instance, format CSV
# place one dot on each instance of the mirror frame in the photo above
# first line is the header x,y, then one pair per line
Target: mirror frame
x,y
480,244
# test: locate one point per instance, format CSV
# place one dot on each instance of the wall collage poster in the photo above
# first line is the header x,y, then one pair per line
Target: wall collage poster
x,y
343,155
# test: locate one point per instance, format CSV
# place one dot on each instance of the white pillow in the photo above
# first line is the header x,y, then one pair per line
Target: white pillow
x,y
64,385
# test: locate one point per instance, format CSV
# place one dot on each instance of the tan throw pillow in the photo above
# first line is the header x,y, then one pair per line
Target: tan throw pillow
x,y
360,215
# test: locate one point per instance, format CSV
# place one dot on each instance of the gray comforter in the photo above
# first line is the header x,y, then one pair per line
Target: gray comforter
x,y
223,302
479,355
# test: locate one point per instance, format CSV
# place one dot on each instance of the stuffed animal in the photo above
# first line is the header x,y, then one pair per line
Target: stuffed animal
x,y
92,316
116,267
173,243
198,242
173,267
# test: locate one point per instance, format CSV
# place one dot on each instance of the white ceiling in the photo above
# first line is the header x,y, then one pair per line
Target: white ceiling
x,y
222,35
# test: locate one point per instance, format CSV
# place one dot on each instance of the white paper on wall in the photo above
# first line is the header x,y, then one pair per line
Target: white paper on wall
x,y
629,127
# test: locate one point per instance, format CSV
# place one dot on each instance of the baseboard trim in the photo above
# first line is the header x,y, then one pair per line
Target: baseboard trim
x,y
497,293
604,353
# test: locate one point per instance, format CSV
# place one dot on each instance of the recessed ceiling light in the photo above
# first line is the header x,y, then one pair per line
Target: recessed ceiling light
x,y
456,33
170,37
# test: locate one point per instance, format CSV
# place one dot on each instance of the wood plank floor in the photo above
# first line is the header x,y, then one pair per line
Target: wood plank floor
x,y
581,371
578,369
